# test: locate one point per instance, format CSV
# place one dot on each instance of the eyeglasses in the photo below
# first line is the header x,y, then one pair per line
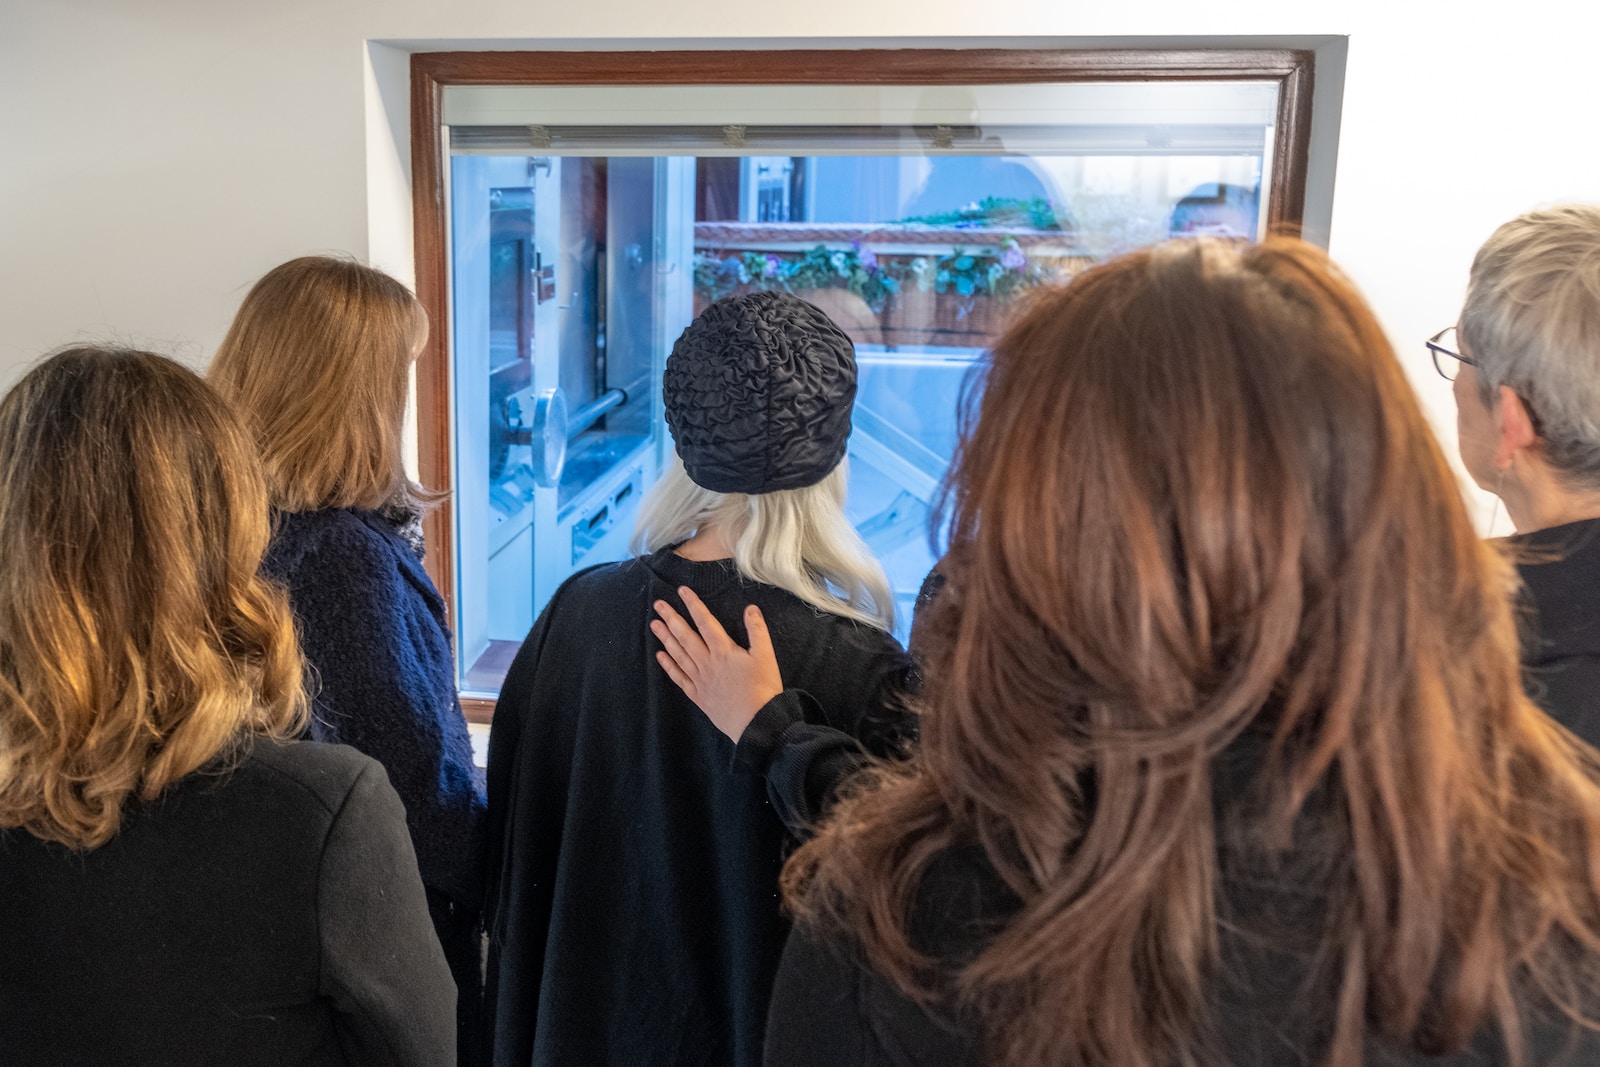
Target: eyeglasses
x,y
1444,343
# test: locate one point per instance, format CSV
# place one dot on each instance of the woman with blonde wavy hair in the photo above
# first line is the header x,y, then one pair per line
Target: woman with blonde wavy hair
x,y
317,363
179,884
632,910
1225,757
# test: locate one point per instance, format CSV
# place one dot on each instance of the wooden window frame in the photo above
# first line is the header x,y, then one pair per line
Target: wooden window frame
x,y
431,72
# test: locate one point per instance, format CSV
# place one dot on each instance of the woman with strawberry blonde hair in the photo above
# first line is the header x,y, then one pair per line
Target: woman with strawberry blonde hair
x,y
1225,756
317,363
179,883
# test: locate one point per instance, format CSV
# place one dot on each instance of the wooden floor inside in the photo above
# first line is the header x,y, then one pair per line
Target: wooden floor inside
x,y
488,672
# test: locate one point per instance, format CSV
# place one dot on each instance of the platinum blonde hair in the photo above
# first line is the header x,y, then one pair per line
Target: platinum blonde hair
x,y
795,539
1531,321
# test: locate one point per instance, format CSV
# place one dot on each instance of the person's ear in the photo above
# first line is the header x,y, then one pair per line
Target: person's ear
x,y
1516,427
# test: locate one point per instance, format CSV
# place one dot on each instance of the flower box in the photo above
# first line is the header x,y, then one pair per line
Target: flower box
x,y
899,286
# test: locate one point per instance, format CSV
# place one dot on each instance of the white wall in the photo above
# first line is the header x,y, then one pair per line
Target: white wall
x,y
158,155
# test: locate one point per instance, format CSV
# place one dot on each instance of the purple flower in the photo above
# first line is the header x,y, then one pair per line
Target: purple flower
x,y
1013,259
771,270
869,258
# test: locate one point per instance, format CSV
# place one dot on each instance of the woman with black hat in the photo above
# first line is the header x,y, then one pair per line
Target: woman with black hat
x,y
633,904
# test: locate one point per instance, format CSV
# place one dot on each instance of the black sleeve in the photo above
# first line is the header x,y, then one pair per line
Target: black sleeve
x,y
804,763
382,967
921,612
827,1011
808,749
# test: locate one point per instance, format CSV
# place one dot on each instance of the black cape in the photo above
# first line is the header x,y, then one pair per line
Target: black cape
x,y
633,905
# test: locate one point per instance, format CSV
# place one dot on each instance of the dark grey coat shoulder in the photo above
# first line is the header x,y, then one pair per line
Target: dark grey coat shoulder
x,y
264,912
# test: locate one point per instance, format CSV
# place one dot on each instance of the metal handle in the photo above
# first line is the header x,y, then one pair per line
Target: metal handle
x,y
585,416
545,430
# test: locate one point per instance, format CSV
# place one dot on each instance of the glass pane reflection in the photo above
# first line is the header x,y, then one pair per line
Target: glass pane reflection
x,y
573,274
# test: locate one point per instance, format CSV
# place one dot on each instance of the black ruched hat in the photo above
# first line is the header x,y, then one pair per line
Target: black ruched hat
x,y
758,392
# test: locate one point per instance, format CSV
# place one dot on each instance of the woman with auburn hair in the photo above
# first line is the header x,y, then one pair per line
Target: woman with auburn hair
x,y
178,884
318,363
1225,757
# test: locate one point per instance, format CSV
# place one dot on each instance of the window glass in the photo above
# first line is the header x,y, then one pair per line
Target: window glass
x,y
589,226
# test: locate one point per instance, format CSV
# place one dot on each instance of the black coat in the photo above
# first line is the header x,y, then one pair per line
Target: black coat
x,y
1560,571
828,1010
633,888
265,915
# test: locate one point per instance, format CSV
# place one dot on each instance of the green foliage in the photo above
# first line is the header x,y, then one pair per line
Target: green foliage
x,y
853,268
999,272
1002,212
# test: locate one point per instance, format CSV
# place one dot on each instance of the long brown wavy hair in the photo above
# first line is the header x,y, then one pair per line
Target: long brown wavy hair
x,y
318,364
1200,505
137,642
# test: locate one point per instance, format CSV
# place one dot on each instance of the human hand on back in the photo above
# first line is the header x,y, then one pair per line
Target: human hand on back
x,y
729,683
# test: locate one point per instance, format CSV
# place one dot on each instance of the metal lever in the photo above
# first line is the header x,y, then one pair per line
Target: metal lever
x,y
585,416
